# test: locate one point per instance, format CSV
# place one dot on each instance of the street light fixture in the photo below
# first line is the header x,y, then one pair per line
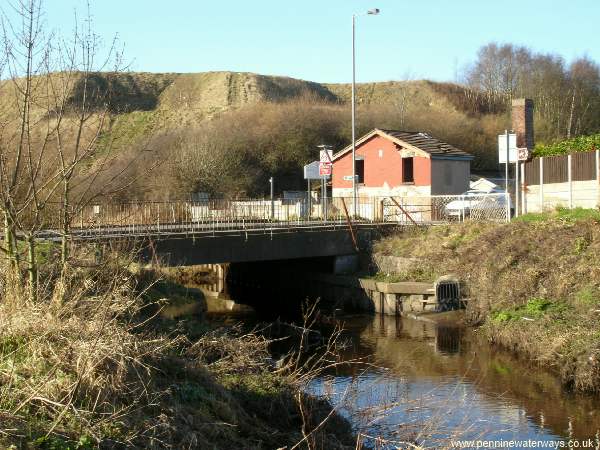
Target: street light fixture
x,y
371,12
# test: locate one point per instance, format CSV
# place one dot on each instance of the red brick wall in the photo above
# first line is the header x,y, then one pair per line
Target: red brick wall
x,y
522,122
380,170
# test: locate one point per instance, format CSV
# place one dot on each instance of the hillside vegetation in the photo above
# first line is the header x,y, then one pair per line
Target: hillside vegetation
x,y
227,133
257,127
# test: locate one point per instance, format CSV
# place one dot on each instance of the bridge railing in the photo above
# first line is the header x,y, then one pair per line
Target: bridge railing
x,y
260,214
222,214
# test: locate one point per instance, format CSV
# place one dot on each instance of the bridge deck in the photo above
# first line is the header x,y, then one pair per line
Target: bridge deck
x,y
200,230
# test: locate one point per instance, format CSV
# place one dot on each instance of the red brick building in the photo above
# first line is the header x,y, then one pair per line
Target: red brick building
x,y
390,162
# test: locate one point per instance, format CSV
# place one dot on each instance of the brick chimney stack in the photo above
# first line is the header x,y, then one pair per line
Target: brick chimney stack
x,y
522,122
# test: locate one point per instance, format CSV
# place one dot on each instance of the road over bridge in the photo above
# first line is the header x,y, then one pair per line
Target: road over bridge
x,y
223,231
231,242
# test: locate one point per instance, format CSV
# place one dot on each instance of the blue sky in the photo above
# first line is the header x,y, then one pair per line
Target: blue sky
x,y
311,39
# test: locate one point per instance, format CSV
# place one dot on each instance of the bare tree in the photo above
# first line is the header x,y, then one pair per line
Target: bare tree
x,y
584,113
402,98
55,115
567,98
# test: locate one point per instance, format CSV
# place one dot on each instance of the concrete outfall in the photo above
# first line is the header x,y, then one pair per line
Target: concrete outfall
x,y
398,298
410,296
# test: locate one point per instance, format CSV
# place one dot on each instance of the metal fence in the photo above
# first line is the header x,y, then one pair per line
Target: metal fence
x,y
213,216
224,211
447,208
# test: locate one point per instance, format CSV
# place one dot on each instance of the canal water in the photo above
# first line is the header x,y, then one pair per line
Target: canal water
x,y
429,383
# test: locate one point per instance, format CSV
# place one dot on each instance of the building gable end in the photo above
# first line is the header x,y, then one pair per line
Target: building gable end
x,y
377,132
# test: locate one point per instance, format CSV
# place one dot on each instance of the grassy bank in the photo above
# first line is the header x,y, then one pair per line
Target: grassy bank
x,y
94,365
534,284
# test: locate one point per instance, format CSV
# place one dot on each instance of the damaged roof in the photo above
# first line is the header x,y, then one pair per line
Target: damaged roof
x,y
416,139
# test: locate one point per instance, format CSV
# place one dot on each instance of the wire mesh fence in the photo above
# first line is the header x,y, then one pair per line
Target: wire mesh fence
x,y
447,208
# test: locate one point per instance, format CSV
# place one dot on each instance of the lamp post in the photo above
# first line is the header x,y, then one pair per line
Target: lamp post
x,y
372,12
271,180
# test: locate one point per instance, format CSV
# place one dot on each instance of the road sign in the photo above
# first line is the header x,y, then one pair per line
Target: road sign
x,y
512,148
523,154
311,171
348,177
325,168
326,156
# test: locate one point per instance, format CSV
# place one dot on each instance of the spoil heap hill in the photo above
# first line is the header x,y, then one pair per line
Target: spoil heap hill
x,y
266,124
185,97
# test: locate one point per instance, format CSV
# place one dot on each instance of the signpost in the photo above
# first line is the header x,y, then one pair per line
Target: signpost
x,y
325,169
326,156
507,147
319,170
311,171
523,154
508,152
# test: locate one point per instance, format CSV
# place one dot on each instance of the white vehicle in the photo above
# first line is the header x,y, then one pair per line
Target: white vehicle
x,y
475,202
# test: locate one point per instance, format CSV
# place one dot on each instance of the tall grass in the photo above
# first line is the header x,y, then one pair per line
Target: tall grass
x,y
101,368
81,368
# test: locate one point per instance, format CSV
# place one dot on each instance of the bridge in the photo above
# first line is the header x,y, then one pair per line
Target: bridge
x,y
222,231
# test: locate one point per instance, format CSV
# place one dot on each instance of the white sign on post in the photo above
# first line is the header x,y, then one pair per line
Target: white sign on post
x,y
512,148
326,156
523,154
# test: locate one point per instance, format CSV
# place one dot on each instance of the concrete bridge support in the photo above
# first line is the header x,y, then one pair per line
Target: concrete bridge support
x,y
346,264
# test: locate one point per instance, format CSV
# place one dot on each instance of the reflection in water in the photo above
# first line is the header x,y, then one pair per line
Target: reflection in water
x,y
447,339
206,298
429,382
194,307
218,300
